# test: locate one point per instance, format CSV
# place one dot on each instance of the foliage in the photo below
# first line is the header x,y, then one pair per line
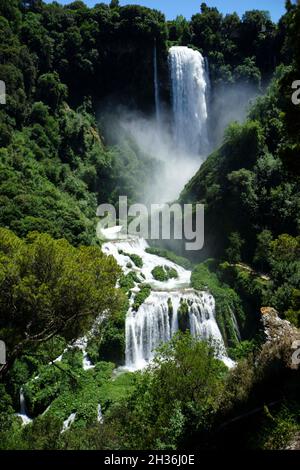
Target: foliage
x,y
164,273
141,296
242,350
108,343
77,391
178,393
241,46
252,202
280,428
136,259
183,316
129,281
59,63
228,302
233,252
51,288
185,263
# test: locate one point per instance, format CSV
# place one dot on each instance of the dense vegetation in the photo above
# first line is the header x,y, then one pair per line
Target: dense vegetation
x,y
164,273
250,188
59,63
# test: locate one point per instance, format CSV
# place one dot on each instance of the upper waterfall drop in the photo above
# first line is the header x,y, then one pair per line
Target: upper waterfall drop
x,y
190,84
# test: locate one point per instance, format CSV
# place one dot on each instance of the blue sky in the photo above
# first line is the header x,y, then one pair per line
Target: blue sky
x,y
172,8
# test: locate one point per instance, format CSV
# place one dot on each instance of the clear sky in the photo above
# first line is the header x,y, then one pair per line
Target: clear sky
x,y
173,8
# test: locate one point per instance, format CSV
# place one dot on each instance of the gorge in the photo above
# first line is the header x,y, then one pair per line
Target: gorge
x,y
141,340
173,303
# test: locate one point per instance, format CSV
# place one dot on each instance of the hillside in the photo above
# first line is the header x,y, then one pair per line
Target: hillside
x,y
112,341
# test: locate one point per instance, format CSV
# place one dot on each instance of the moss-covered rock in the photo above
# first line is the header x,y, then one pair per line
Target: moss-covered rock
x,y
170,311
128,281
109,343
183,316
136,259
164,273
141,296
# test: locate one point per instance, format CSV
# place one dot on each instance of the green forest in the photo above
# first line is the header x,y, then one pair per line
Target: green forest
x,y
61,156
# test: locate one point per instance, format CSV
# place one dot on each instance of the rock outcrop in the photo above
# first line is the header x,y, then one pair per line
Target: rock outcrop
x,y
282,338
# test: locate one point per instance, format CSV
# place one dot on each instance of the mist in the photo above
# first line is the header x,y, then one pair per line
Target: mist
x,y
230,103
155,141
173,166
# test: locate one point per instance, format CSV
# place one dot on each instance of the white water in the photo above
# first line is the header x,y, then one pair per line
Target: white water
x,y
100,418
153,323
236,327
23,410
80,344
190,84
68,422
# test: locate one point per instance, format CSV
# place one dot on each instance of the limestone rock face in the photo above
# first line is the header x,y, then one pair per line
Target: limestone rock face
x,y
295,443
282,338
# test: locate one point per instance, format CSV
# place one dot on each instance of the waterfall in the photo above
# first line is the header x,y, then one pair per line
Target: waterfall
x,y
236,326
68,422
161,316
190,82
156,87
171,306
100,418
23,409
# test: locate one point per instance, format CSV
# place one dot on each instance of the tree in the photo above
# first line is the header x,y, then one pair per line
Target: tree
x,y
234,250
178,394
179,30
243,144
254,23
114,4
50,90
77,5
263,249
248,72
207,28
50,288
34,5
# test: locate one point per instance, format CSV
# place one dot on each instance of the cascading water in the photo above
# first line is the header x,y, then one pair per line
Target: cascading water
x,y
172,305
23,409
190,83
156,87
161,316
68,422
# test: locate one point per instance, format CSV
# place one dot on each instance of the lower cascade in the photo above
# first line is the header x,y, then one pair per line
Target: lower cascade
x,y
161,316
171,306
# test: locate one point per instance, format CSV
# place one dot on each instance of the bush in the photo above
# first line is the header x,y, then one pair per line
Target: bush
x,y
185,263
141,296
227,302
164,273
